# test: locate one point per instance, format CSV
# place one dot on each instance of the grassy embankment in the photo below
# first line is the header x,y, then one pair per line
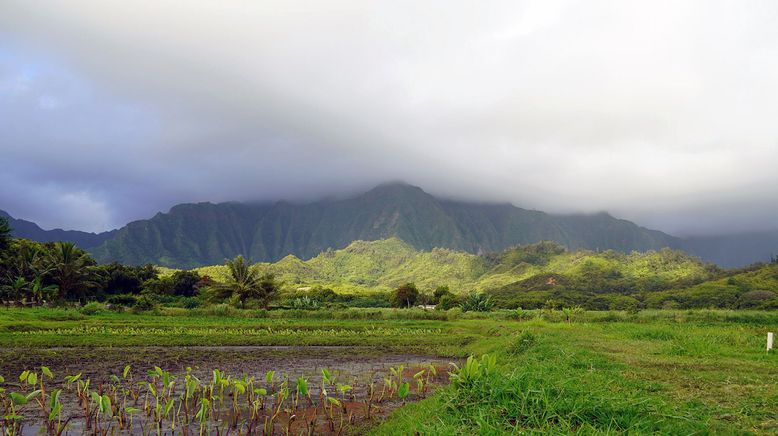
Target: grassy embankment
x,y
672,372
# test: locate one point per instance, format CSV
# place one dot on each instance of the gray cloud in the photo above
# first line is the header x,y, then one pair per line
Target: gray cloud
x,y
660,112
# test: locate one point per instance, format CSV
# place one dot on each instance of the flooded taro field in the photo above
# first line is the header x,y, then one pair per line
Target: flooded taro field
x,y
209,390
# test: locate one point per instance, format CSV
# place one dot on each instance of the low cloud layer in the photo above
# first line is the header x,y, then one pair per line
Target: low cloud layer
x,y
660,112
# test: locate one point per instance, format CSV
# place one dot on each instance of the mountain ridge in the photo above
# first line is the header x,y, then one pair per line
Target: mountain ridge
x,y
205,233
30,230
197,234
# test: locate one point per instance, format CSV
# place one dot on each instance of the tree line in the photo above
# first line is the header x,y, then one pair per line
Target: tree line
x,y
35,273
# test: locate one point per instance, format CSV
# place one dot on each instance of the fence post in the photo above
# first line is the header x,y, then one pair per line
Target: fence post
x,y
769,341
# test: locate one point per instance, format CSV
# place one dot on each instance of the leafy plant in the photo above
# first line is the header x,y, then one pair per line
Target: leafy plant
x,y
305,303
571,312
477,302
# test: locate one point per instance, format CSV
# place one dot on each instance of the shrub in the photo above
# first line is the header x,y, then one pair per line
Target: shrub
x,y
122,300
521,314
571,312
190,303
144,303
447,301
477,302
454,313
222,309
92,308
305,303
158,286
623,302
327,295
754,299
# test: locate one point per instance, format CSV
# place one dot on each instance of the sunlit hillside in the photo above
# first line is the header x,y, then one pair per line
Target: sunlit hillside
x,y
383,265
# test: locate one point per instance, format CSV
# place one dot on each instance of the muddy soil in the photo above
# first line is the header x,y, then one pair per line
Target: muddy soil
x,y
357,366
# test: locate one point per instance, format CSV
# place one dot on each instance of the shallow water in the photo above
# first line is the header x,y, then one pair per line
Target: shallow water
x,y
358,366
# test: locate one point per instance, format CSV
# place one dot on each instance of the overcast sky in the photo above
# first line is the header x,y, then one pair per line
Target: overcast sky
x,y
664,113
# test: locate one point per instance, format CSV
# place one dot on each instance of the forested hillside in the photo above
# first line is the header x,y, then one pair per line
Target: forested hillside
x,y
197,234
193,235
531,276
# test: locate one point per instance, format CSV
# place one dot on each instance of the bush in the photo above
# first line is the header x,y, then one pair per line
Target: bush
x,y
145,303
623,302
222,309
92,308
158,286
754,299
454,313
190,303
521,314
447,301
305,303
477,302
122,300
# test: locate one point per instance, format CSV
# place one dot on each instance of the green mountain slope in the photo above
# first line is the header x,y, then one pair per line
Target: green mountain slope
x,y
539,271
755,287
201,234
607,280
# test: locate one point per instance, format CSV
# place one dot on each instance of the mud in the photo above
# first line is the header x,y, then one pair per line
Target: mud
x,y
356,366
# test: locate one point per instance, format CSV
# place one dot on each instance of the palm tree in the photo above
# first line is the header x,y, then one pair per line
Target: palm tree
x,y
25,273
245,283
30,262
71,270
13,290
40,292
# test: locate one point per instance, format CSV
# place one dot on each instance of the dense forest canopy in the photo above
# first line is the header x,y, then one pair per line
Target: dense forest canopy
x,y
390,272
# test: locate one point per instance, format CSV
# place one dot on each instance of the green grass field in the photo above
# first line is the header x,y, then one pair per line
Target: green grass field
x,y
669,372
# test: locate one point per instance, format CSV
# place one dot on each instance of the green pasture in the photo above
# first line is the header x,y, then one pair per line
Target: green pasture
x,y
661,372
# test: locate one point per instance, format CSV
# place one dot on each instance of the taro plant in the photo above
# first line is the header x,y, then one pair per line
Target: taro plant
x,y
570,312
302,391
270,381
102,408
369,398
305,303
474,371
420,381
403,391
343,389
202,415
477,302
220,405
16,402
54,424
